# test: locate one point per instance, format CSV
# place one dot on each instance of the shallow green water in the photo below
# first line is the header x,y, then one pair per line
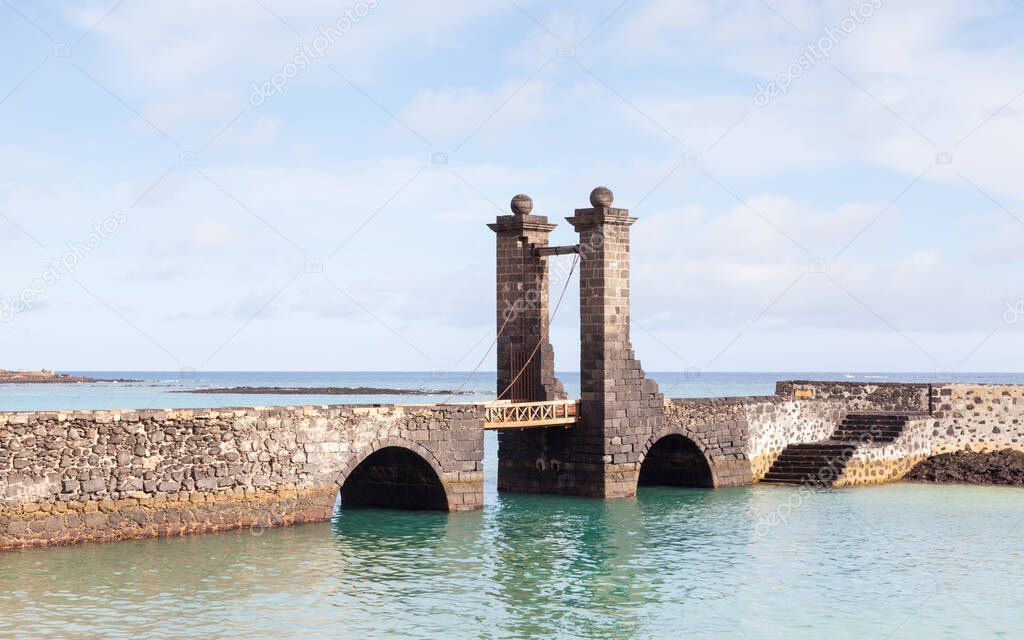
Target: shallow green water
x,y
900,561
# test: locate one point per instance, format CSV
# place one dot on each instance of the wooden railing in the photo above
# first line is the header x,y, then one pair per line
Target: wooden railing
x,y
519,415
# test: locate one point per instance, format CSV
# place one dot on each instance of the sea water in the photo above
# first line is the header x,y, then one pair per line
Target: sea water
x,y
896,561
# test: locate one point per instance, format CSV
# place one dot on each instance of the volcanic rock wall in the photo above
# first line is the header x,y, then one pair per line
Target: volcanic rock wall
x,y
77,476
742,436
944,418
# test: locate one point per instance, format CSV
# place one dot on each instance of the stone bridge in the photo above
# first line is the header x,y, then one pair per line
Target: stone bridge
x,y
75,476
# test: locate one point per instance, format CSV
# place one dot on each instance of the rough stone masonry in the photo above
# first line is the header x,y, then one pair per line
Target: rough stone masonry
x,y
77,476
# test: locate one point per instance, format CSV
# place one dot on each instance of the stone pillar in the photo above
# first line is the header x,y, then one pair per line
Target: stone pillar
x,y
522,306
522,320
620,408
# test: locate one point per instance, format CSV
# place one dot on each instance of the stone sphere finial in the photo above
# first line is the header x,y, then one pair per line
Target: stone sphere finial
x,y
601,197
522,204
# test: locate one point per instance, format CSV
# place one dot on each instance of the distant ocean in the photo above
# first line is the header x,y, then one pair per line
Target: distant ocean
x,y
157,389
900,560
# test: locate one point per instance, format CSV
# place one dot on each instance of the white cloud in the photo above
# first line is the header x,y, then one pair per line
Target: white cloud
x,y
218,105
316,169
192,42
1003,244
454,114
730,267
210,235
936,87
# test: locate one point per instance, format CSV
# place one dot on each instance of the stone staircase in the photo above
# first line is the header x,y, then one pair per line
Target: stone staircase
x,y
821,463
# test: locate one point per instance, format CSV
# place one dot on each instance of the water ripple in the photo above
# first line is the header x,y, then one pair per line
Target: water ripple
x,y
913,560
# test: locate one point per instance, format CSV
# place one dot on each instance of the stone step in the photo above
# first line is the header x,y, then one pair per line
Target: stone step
x,y
867,441
880,417
795,481
856,440
902,415
808,464
840,450
867,427
843,433
852,444
872,426
806,469
810,459
820,463
844,451
854,427
818,476
793,475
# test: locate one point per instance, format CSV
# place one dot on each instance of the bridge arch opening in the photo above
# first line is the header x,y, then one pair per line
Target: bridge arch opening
x,y
395,478
675,461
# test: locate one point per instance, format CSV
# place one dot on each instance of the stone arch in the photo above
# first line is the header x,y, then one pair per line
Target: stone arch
x,y
676,458
394,472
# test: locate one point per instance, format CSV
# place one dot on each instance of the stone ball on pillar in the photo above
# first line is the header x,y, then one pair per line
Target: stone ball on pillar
x,y
522,204
601,197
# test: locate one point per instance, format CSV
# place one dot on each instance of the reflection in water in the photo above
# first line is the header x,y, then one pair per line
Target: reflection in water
x,y
553,557
672,561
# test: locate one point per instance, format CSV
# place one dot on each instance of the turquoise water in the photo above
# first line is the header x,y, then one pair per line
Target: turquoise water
x,y
899,561
896,561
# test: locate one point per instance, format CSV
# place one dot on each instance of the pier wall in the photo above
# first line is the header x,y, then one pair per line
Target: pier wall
x,y
981,418
77,476
860,396
742,436
949,418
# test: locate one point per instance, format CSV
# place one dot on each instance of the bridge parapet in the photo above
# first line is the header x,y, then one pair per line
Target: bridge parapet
x,y
78,476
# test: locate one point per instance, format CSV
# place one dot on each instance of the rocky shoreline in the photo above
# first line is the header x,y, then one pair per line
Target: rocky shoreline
x,y
45,376
1005,467
326,391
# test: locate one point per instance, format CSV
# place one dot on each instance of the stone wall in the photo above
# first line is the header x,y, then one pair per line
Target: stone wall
x,y
77,476
964,417
741,437
784,421
874,464
860,396
977,417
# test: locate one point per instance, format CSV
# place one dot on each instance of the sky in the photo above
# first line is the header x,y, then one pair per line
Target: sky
x,y
286,185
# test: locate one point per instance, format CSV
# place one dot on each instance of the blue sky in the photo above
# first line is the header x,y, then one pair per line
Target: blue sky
x,y
868,218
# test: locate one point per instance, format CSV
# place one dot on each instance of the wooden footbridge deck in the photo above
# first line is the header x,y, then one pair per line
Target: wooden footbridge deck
x,y
503,414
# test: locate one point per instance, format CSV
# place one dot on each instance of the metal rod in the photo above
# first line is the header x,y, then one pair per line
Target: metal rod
x,y
556,251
